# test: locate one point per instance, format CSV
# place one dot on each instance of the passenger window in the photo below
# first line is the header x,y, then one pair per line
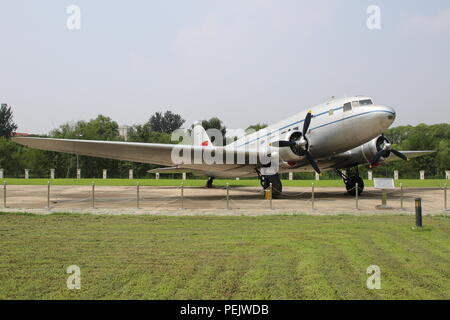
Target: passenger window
x,y
347,106
330,113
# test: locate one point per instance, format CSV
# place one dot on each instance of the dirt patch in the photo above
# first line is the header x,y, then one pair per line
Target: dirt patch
x,y
202,201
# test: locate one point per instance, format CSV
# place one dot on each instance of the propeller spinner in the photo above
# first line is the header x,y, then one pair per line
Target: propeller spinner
x,y
385,151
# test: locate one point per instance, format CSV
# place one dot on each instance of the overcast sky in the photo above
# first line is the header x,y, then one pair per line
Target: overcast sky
x,y
245,61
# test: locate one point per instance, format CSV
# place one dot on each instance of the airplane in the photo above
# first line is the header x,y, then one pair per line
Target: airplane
x,y
339,134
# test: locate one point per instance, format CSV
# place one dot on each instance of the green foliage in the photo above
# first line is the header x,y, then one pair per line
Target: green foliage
x,y
215,123
7,126
167,123
256,127
15,158
421,137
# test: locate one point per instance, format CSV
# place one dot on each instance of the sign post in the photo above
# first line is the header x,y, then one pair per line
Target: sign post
x,y
384,184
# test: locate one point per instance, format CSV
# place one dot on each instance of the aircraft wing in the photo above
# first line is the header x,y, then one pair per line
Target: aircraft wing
x,y
345,159
152,153
409,155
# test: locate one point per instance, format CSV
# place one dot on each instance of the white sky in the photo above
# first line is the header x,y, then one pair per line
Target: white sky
x,y
244,61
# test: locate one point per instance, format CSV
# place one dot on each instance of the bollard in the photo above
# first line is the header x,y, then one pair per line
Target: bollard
x,y
401,196
419,212
93,195
312,196
4,194
271,196
228,196
137,195
182,196
48,195
357,196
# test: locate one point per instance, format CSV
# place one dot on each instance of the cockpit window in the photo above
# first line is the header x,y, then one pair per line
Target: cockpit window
x,y
355,104
347,106
367,102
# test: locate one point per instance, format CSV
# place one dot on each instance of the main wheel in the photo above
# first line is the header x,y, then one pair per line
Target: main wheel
x,y
209,183
277,187
351,185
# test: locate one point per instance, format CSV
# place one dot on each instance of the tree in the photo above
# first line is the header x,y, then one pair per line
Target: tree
x,y
7,126
215,123
167,123
256,127
100,128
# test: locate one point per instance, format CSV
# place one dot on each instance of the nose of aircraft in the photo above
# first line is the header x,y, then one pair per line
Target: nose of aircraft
x,y
386,115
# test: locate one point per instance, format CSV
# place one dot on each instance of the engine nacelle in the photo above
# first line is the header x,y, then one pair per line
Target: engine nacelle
x,y
292,154
366,153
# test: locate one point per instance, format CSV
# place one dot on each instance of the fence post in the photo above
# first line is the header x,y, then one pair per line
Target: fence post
x,y
312,196
445,197
401,196
137,195
4,194
228,196
357,196
48,195
93,195
271,196
182,196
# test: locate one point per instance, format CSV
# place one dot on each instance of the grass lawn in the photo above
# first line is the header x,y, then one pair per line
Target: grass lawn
x,y
266,257
429,183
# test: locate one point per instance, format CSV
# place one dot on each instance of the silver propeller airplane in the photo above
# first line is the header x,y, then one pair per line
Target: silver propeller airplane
x,y
338,134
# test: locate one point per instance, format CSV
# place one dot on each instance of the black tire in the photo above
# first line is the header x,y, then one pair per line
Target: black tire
x,y
277,187
351,185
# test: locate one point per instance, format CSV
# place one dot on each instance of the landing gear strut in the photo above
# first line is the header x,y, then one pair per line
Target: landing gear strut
x,y
209,183
277,187
351,179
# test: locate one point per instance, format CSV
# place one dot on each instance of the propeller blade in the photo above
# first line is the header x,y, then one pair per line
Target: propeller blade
x,y
378,156
307,122
283,144
312,161
399,154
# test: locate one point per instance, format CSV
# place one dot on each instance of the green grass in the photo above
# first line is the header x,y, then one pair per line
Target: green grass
x,y
430,183
266,257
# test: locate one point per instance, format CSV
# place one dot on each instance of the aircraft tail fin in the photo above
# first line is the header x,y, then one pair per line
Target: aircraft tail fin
x,y
201,138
